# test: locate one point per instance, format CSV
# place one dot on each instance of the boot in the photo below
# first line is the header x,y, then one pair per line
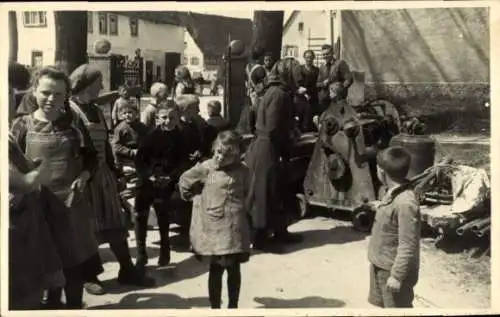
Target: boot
x,y
132,276
52,300
140,237
164,226
94,287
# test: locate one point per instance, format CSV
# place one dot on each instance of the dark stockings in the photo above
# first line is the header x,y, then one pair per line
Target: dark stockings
x,y
73,291
122,253
215,284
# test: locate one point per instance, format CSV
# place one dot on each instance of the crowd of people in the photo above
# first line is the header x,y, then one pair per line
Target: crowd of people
x,y
65,178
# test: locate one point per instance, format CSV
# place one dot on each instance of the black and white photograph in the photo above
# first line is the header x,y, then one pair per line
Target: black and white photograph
x,y
248,158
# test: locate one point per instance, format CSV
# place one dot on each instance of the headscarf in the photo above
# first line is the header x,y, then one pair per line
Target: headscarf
x,y
156,88
82,77
287,71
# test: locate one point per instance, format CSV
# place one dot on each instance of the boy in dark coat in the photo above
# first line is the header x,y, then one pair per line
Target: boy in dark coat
x,y
128,135
159,165
394,249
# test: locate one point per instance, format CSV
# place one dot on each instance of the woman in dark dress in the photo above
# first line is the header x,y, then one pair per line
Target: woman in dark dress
x,y
110,219
270,151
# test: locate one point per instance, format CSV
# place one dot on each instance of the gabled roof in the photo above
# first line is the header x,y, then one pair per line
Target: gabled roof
x,y
290,19
211,32
162,17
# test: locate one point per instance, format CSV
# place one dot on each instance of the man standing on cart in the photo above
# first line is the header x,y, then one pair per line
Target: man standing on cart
x,y
334,70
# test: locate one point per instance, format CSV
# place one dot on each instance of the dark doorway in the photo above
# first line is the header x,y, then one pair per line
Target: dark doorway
x,y
172,60
149,74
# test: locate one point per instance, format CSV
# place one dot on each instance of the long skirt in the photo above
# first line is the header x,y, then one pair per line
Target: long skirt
x,y
265,200
34,259
104,197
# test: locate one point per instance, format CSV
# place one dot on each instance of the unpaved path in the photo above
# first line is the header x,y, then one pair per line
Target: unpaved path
x,y
329,269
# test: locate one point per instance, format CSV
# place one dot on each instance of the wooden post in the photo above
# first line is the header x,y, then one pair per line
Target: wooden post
x,y
13,37
268,32
71,39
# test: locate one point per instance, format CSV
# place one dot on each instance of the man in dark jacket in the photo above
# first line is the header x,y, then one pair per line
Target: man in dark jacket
x,y
334,70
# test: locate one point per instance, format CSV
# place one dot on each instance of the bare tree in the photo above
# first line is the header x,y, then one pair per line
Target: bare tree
x,y
268,31
71,39
13,37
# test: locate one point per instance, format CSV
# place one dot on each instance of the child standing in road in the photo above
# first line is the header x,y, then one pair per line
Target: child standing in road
x,y
220,231
158,163
394,249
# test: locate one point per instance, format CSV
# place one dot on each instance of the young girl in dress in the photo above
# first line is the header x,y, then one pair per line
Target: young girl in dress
x,y
220,232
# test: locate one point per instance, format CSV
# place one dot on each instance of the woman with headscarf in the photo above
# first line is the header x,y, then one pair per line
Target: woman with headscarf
x,y
184,82
270,151
86,83
53,133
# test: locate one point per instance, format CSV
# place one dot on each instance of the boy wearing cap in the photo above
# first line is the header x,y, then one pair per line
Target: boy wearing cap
x,y
159,92
394,248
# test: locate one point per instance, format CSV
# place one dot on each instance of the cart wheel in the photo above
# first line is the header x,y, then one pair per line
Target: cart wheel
x,y
362,218
303,205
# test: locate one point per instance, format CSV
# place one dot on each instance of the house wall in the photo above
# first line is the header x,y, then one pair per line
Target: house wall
x,y
191,50
39,38
316,24
420,54
153,39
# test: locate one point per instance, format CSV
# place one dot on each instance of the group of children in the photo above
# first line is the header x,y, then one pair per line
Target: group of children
x,y
173,149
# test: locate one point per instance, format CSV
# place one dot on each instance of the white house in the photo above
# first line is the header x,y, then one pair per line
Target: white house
x,y
309,30
156,34
206,40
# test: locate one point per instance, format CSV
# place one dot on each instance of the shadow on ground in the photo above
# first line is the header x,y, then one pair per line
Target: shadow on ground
x,y
306,302
185,269
155,300
317,238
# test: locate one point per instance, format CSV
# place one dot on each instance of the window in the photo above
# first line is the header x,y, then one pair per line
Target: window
x,y
185,60
291,50
113,24
90,22
36,59
134,27
35,18
195,61
158,72
301,26
103,23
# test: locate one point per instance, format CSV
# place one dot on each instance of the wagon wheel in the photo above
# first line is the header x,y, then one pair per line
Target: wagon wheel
x,y
303,205
363,218
386,108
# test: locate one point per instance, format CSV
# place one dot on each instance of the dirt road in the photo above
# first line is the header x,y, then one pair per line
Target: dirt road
x,y
329,269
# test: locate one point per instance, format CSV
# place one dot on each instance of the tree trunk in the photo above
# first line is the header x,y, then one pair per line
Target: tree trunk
x,y
71,39
13,39
268,32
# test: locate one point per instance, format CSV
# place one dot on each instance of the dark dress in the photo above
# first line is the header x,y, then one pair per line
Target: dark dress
x,y
310,79
272,142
